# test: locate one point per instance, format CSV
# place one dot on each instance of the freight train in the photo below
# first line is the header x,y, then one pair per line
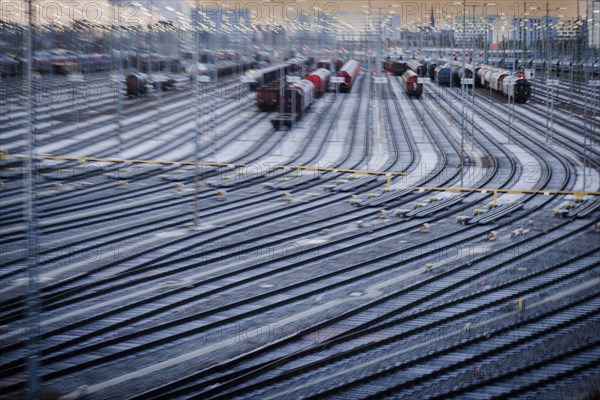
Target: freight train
x,y
349,72
443,75
267,97
259,77
504,82
298,98
223,68
418,67
138,83
395,67
457,72
411,84
320,78
327,64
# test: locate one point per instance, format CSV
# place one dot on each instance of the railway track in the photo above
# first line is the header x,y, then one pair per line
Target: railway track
x,y
344,282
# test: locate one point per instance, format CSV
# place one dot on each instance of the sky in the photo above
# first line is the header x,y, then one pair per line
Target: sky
x,y
137,11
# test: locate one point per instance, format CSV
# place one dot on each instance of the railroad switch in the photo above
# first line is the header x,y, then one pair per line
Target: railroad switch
x,y
491,235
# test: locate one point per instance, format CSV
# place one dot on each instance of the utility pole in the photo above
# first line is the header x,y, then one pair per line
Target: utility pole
x,y
195,88
462,97
473,84
33,312
524,36
547,40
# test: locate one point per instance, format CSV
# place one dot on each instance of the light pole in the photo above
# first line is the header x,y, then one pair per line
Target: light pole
x,y
549,91
462,97
473,83
487,34
195,77
118,80
33,312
